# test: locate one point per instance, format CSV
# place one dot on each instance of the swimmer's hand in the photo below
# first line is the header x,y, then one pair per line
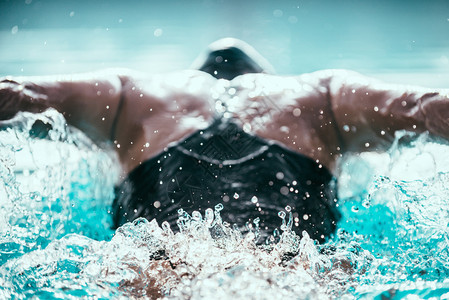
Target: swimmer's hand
x,y
87,101
15,97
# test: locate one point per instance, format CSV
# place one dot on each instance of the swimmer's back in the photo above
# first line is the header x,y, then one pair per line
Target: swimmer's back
x,y
253,178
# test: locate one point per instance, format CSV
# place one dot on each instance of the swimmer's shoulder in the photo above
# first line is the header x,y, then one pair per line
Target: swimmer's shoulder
x,y
315,79
330,75
185,80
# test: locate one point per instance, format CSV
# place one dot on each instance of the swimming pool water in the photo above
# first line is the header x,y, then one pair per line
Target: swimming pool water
x,y
55,241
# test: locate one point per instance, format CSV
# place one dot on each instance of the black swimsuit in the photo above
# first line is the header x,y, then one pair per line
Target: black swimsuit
x,y
250,176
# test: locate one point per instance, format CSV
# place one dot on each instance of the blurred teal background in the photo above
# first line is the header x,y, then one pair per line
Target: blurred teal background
x,y
400,41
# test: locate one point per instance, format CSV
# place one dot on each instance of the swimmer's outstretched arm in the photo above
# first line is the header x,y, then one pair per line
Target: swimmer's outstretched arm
x,y
131,109
369,112
88,101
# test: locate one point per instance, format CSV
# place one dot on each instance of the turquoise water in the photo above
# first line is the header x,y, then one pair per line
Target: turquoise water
x,y
55,193
55,243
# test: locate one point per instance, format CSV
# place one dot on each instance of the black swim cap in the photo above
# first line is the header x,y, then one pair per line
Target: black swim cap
x,y
229,58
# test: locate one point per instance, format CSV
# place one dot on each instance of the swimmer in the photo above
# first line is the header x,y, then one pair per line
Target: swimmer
x,y
232,133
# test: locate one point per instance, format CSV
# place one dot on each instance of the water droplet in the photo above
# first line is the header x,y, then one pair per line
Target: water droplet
x,y
219,207
209,215
158,32
292,19
296,112
278,13
254,199
280,175
281,214
166,227
288,208
249,226
196,215
247,127
366,203
236,196
346,128
284,190
305,217
284,129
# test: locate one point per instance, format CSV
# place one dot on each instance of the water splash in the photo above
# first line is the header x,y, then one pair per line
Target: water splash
x,y
48,184
55,241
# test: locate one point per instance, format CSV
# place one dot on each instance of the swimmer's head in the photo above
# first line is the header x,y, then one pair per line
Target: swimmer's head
x,y
228,58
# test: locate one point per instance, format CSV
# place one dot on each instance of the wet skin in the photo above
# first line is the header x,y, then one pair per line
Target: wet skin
x,y
322,114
